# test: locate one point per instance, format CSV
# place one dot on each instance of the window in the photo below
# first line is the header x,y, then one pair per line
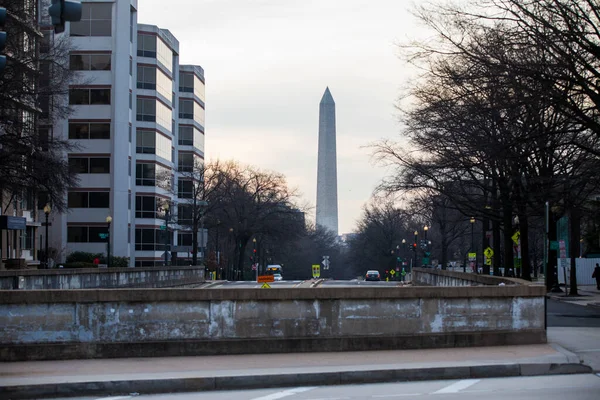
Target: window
x,y
149,239
89,130
146,46
88,200
186,108
184,214
186,135
86,234
184,239
146,77
186,162
186,82
96,20
145,174
145,207
89,96
90,62
146,110
185,189
145,142
85,165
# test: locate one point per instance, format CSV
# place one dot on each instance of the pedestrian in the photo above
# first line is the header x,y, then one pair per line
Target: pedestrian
x,y
596,275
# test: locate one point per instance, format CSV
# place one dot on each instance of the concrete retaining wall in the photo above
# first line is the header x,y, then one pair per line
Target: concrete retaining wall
x,y
162,322
438,277
100,278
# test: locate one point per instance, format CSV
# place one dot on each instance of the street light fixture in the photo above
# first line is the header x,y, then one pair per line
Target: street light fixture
x,y
108,222
415,245
47,211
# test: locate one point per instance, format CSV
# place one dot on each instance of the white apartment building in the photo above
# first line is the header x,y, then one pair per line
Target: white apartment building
x,y
137,117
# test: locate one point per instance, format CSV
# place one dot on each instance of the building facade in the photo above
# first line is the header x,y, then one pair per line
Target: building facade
x,y
137,118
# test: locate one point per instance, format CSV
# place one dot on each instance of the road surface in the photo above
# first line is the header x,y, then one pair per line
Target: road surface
x,y
559,387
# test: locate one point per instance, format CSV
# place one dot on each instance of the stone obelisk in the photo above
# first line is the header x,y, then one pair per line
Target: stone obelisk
x,y
327,206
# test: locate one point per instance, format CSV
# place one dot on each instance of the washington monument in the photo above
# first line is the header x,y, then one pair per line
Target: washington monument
x,y
327,206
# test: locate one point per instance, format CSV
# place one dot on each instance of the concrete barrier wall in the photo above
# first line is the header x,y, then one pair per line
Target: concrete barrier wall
x,y
163,322
438,277
100,278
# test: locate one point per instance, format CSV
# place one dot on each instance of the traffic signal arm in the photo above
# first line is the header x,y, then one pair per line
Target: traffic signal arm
x,y
62,11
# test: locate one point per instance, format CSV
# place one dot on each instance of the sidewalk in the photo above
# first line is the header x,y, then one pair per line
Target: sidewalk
x,y
589,296
109,377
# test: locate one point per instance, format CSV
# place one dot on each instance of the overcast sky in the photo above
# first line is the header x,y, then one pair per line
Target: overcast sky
x,y
267,64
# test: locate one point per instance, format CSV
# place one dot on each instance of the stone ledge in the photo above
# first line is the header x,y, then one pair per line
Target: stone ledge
x,y
65,351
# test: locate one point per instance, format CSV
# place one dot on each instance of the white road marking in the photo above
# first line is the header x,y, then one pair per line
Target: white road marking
x,y
284,393
114,398
457,386
398,395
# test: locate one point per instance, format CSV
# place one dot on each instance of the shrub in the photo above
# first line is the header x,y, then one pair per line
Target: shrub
x,y
78,264
82,256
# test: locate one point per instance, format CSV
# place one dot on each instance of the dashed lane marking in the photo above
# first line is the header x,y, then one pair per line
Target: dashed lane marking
x,y
457,386
284,393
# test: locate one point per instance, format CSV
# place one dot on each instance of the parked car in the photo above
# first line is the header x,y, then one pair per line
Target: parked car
x,y
278,277
372,276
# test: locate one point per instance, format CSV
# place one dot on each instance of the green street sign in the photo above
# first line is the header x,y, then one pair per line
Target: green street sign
x,y
427,253
103,235
163,228
425,260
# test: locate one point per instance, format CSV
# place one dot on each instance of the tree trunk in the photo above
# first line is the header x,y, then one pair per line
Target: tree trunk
x,y
507,233
524,241
241,246
497,247
195,242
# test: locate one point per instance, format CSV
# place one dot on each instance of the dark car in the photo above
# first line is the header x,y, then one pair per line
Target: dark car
x,y
372,276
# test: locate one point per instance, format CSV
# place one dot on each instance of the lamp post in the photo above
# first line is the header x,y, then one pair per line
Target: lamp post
x,y
425,244
254,257
397,258
108,222
472,221
415,245
47,210
404,250
166,207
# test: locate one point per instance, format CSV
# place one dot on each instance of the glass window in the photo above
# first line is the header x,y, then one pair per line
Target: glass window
x,y
146,110
89,96
79,96
145,207
145,141
186,82
96,20
149,239
146,46
186,162
164,84
87,130
185,189
99,96
186,108
184,214
78,200
99,165
163,147
77,234
78,165
164,54
90,62
145,174
99,200
146,77
184,239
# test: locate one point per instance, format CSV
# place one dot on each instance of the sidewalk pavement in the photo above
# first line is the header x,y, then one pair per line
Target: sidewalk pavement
x,y
110,377
589,296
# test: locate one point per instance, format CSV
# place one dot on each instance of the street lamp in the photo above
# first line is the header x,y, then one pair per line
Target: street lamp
x,y
254,257
108,222
415,245
47,210
166,207
472,221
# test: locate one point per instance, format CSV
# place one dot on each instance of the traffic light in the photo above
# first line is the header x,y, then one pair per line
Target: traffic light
x,y
62,11
2,38
414,247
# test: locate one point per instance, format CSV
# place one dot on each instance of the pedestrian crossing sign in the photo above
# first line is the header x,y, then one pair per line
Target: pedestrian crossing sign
x,y
265,286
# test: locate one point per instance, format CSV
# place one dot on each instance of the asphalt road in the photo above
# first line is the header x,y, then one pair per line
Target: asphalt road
x,y
355,283
559,387
572,315
252,284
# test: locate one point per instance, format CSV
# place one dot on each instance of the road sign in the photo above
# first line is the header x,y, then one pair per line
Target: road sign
x,y
253,267
103,235
325,262
265,278
316,271
265,286
489,253
393,272
516,237
563,253
163,227
472,256
425,261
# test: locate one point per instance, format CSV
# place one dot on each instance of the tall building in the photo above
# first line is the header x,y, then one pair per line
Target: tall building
x,y
327,205
19,119
137,119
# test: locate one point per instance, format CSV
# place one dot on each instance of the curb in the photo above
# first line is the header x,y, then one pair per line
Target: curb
x,y
154,386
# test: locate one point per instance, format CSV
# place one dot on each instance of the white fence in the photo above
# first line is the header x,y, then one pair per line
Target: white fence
x,y
585,268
